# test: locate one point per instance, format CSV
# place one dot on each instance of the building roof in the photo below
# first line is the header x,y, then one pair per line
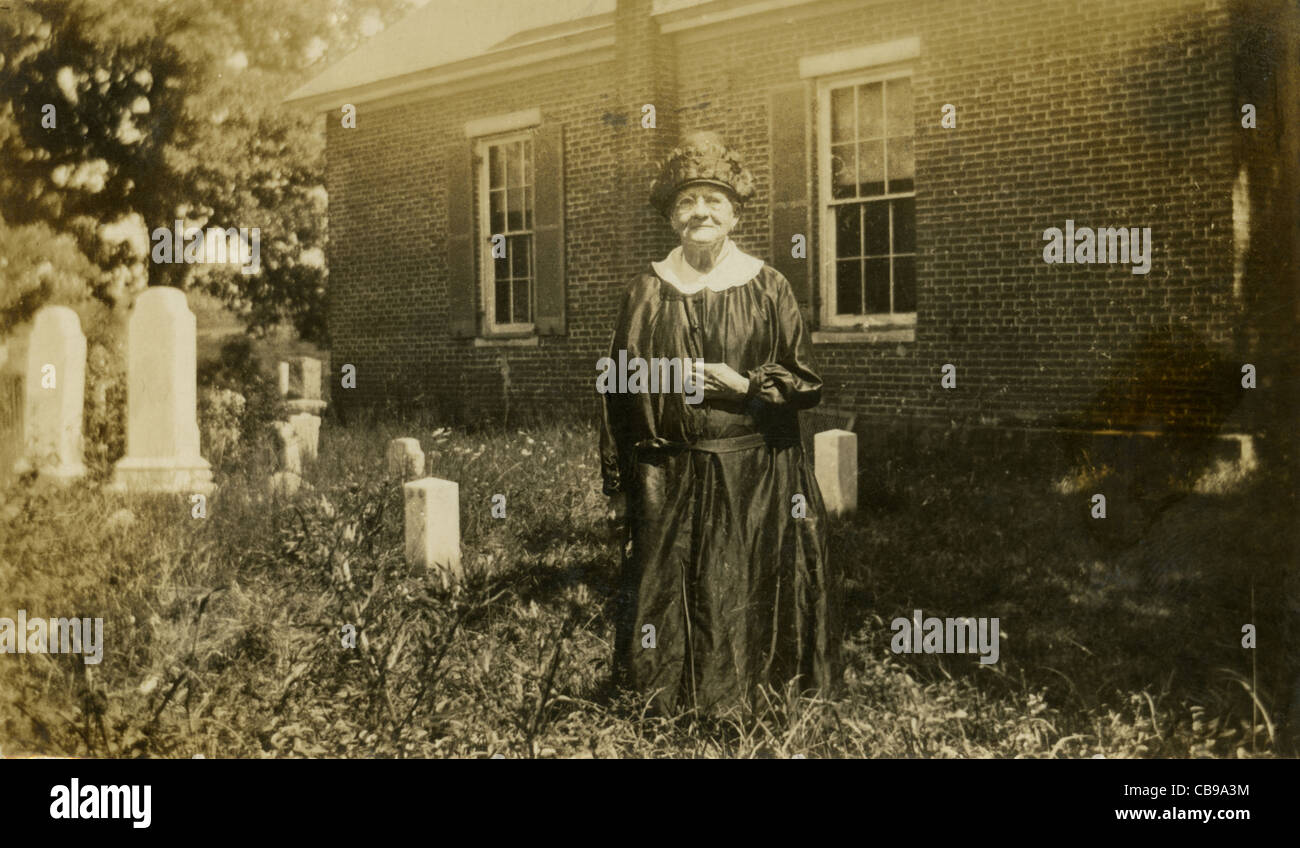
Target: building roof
x,y
456,40
447,32
663,7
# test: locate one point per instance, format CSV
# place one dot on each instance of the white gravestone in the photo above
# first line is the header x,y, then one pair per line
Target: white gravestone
x,y
433,526
283,484
289,453
307,427
405,459
298,406
282,379
162,431
304,390
835,457
55,390
304,378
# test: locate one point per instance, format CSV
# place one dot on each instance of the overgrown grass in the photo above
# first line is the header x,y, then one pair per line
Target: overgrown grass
x,y
225,634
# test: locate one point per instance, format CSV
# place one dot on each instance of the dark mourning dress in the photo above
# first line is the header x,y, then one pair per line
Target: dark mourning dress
x,y
737,589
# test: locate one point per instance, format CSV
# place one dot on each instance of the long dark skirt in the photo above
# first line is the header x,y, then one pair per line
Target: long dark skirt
x,y
724,589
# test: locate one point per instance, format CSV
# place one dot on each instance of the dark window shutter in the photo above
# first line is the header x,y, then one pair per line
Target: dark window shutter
x,y
548,223
788,133
462,282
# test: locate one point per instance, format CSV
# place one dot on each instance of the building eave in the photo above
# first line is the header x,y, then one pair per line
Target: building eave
x,y
675,16
590,45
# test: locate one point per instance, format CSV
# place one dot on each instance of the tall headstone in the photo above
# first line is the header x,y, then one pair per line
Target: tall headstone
x,y
304,392
405,459
835,458
55,395
283,484
289,448
298,406
304,378
282,379
162,431
433,526
307,427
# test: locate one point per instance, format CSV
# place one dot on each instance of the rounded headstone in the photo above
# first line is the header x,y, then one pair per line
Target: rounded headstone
x,y
54,391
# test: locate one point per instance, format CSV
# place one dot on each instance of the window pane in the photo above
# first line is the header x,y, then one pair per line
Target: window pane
x,y
501,267
842,114
904,284
848,287
514,165
503,300
904,225
528,163
529,200
498,217
848,230
843,166
522,313
898,107
515,220
902,165
871,168
519,257
876,236
871,112
877,285
496,176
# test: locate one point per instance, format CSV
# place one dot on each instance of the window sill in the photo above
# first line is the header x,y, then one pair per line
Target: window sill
x,y
506,341
857,335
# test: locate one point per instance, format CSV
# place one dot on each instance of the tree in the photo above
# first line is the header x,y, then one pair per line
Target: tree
x,y
119,117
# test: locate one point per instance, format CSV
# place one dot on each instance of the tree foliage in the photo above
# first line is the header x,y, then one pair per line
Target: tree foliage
x,y
118,117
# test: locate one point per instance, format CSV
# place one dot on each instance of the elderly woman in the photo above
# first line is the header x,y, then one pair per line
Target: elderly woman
x,y
725,586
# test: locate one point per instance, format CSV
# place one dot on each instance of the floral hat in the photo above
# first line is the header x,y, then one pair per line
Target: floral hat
x,y
702,157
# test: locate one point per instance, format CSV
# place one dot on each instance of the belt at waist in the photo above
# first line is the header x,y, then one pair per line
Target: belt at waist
x,y
728,445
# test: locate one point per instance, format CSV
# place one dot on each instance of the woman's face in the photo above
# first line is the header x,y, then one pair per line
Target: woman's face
x,y
702,215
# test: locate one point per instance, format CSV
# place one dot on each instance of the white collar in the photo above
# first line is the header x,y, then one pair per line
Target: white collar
x,y
733,268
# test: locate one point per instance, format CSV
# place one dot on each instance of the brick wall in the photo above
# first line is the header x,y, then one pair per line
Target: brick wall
x,y
1112,113
388,273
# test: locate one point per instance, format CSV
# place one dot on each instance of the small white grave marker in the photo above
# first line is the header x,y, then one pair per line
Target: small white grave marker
x,y
835,457
433,526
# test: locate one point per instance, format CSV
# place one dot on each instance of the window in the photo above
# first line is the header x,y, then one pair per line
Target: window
x,y
868,200
507,197
506,182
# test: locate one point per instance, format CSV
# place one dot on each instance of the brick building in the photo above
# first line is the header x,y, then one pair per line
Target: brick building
x,y
924,242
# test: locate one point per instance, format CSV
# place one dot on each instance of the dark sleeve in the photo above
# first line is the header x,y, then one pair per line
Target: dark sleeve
x,y
791,379
615,446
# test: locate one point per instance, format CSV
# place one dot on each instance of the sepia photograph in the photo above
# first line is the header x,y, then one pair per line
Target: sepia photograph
x,y
650,379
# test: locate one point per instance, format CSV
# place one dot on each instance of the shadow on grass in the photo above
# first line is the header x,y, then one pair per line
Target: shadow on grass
x,y
1152,597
